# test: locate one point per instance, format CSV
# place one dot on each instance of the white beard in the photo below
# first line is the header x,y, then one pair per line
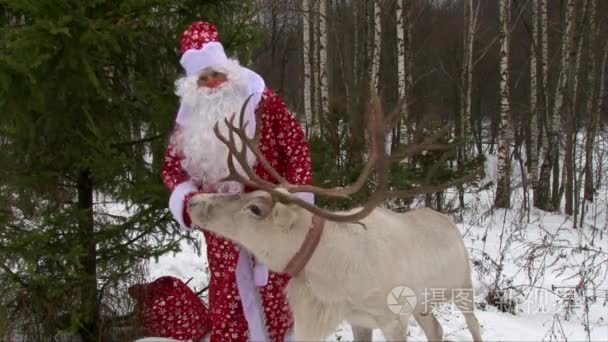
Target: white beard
x,y
205,156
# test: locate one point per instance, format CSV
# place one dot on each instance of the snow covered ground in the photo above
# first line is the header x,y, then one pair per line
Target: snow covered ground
x,y
555,274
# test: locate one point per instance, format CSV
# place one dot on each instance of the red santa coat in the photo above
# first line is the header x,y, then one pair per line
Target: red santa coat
x,y
284,145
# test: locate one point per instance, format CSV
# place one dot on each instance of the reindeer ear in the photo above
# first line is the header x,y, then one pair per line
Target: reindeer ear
x,y
283,216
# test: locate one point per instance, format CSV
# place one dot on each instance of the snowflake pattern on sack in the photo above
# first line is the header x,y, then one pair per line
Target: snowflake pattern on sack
x,y
283,143
169,308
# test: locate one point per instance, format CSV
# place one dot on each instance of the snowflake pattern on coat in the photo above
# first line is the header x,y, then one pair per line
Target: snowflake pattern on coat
x,y
284,145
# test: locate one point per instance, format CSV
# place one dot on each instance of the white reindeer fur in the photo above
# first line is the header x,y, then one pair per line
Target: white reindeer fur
x,y
354,266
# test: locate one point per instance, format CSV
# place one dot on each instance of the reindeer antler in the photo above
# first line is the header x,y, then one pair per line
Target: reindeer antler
x,y
284,191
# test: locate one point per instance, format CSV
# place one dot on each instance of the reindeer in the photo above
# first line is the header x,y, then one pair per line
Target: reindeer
x,y
344,265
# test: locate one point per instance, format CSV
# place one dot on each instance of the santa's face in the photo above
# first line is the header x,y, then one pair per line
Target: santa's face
x,y
210,96
211,79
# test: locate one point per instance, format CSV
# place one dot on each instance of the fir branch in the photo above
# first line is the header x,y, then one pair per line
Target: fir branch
x,y
14,275
136,142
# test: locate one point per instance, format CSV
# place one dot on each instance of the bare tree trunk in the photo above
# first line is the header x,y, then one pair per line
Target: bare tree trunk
x,y
534,52
478,125
307,68
359,70
273,32
560,92
466,79
323,84
344,56
591,119
315,65
401,76
542,194
466,85
439,201
576,51
471,30
428,200
369,42
503,189
89,322
593,123
376,46
356,60
404,34
544,37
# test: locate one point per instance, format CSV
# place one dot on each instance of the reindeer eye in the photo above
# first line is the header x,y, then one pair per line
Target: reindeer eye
x,y
255,210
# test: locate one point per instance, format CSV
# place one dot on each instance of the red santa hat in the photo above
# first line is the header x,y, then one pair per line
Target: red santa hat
x,y
201,49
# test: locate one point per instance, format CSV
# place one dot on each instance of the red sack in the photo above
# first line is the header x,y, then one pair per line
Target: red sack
x,y
169,308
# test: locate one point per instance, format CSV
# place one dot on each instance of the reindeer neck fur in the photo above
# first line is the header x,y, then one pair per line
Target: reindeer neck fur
x,y
334,259
277,252
322,295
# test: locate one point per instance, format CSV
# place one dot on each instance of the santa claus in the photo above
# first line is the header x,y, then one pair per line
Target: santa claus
x,y
245,303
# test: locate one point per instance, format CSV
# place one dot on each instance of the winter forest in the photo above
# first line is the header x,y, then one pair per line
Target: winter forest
x,y
514,92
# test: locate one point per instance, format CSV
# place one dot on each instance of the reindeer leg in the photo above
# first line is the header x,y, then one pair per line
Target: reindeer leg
x,y
467,308
362,334
396,329
429,324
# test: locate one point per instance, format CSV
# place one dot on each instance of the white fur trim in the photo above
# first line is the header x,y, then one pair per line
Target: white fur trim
x,y
176,200
306,196
260,274
250,298
256,88
212,55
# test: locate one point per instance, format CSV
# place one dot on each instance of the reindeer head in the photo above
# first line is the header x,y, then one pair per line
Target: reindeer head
x,y
271,230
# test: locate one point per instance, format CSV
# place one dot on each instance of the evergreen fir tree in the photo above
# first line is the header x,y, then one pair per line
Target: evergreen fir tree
x,y
86,104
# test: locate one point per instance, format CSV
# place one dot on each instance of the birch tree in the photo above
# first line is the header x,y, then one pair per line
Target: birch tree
x,y
374,50
590,109
404,64
314,80
355,27
323,84
503,189
466,83
544,37
542,191
307,70
571,116
551,153
560,92
534,52
376,46
593,117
